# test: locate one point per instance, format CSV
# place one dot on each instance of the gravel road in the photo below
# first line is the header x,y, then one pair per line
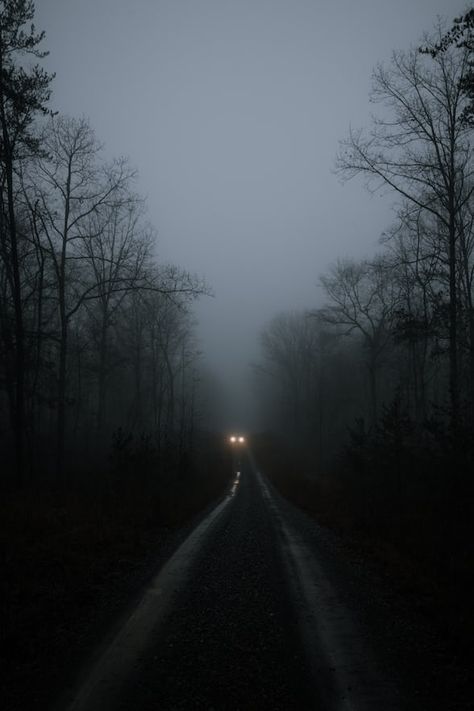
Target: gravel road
x,y
254,612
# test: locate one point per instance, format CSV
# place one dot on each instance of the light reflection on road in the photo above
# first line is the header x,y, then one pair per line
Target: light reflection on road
x,y
235,484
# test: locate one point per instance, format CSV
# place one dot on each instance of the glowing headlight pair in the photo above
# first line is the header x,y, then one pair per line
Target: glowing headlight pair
x,y
235,439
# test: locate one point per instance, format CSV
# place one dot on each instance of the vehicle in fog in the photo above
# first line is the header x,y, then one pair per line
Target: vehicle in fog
x,y
237,439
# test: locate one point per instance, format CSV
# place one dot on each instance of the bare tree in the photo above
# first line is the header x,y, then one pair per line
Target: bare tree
x,y
172,352
419,147
420,269
289,346
155,330
70,184
116,260
363,298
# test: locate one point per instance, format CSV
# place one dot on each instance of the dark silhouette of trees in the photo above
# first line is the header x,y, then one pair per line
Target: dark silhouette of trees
x,y
96,335
24,93
419,147
382,376
363,297
299,381
288,346
117,261
71,186
460,35
419,320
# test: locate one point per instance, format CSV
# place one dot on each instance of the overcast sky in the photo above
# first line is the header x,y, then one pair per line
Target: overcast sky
x,y
231,110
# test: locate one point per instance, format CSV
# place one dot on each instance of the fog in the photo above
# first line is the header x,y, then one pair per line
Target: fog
x,y
232,112
237,354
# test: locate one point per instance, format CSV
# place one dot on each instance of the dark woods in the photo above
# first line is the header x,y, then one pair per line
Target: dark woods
x,y
103,406
102,403
376,389
97,350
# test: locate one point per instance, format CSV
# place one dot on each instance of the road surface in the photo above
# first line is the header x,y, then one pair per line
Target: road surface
x,y
249,613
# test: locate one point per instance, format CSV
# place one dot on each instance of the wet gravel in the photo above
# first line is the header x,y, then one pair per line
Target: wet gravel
x,y
232,641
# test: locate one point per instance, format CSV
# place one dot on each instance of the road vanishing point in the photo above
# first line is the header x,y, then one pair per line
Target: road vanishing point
x,y
248,613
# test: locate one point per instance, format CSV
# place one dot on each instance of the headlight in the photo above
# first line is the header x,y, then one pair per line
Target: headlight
x,y
233,439
241,439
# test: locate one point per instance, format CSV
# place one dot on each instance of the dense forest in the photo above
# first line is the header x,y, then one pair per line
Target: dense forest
x,y
106,411
98,354
375,390
103,402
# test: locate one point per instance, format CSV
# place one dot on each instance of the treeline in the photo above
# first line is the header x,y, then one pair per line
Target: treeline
x,y
96,336
377,387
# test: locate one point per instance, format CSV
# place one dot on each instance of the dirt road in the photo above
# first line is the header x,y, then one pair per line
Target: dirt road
x,y
254,611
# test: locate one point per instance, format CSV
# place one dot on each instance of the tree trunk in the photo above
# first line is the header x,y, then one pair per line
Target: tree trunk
x,y
102,394
372,368
171,398
453,321
14,266
63,345
61,419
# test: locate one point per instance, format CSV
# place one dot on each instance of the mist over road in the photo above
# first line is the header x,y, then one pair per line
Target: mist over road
x,y
248,614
